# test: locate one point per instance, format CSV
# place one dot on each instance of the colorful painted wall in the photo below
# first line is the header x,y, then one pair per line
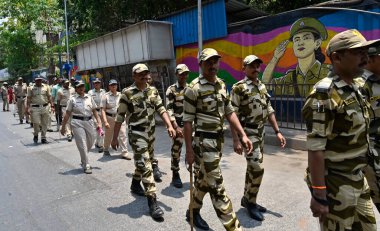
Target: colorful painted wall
x,y
262,37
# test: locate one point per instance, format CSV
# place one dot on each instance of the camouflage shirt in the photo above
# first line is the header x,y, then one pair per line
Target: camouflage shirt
x,y
371,90
251,102
174,102
337,120
206,104
139,106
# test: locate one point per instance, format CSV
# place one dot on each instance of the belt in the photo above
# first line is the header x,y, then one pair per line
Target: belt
x,y
63,105
110,114
209,135
40,105
82,118
138,128
251,126
21,97
98,109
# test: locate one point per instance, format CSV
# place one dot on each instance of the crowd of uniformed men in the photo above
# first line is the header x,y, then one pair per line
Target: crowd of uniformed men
x,y
343,131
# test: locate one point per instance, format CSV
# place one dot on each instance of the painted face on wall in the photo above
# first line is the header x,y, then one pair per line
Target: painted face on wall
x,y
305,44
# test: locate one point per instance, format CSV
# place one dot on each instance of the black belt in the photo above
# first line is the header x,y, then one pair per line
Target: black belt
x,y
82,118
138,128
209,135
98,109
39,105
62,105
251,126
21,97
109,114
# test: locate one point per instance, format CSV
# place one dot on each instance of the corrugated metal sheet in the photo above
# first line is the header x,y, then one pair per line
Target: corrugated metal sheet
x,y
185,24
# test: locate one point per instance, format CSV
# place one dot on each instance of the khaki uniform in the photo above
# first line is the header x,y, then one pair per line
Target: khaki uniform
x,y
371,90
109,102
174,105
97,96
39,101
252,105
293,83
206,104
4,96
82,123
64,95
20,92
337,120
140,107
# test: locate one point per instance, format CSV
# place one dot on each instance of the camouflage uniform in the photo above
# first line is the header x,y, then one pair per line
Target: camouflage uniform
x,y
337,119
174,105
252,105
97,96
206,104
371,90
140,107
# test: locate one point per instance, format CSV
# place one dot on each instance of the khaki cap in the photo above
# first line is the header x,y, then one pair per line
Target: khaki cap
x,y
97,80
181,68
208,53
5,83
308,25
374,49
79,83
348,39
251,58
20,78
140,67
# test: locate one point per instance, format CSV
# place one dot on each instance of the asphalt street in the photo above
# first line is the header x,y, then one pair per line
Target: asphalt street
x,y
42,187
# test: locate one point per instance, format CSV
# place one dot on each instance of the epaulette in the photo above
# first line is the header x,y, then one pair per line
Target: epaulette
x,y
324,85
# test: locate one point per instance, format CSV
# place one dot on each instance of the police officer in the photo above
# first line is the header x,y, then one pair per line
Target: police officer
x,y
108,106
251,102
206,104
371,90
174,105
82,108
337,120
38,98
20,90
307,35
139,102
97,93
63,95
4,96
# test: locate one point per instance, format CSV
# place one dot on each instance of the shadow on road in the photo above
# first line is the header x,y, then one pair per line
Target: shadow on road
x,y
76,171
174,192
245,220
109,158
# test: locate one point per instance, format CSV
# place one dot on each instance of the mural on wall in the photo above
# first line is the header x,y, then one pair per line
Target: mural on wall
x,y
292,46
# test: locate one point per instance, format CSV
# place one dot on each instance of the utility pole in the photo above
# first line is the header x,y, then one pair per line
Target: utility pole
x,y
67,42
200,36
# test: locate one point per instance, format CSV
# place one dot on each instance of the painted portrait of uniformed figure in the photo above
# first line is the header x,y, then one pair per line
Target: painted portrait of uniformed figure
x,y
307,35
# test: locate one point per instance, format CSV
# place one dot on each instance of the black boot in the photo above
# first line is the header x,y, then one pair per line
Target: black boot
x,y
35,139
197,219
136,188
156,173
154,210
21,121
176,180
253,209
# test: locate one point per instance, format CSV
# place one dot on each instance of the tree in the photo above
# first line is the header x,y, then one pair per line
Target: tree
x,y
278,6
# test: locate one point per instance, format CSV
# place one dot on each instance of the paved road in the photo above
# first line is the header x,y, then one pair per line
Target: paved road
x,y
43,188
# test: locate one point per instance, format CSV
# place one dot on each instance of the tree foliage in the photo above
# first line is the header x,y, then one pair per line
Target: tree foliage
x,y
278,6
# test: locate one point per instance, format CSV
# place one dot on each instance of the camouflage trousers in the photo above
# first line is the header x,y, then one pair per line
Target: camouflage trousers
x,y
372,173
142,146
209,179
350,206
255,171
176,153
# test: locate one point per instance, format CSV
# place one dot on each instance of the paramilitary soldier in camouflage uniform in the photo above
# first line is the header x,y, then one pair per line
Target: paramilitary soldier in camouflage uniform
x,y
174,105
337,119
253,108
371,90
206,103
97,93
37,105
19,91
139,102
